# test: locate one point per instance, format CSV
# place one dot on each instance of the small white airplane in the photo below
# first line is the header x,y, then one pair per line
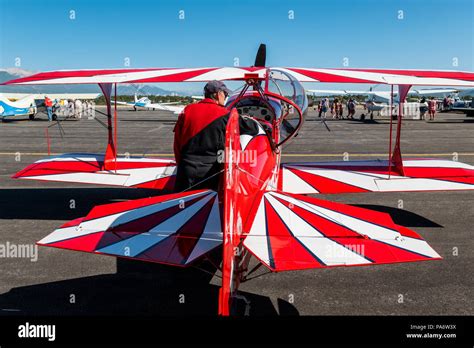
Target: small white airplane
x,y
23,106
145,102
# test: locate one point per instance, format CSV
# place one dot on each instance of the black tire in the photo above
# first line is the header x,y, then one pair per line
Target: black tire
x,y
55,117
32,117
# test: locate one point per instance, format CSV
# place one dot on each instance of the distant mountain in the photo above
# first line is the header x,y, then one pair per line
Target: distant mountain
x,y
14,73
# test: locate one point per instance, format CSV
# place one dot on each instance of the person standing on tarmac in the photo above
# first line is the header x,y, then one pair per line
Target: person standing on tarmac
x,y
432,108
49,107
199,138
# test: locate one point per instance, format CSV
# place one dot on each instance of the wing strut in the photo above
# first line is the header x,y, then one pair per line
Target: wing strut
x,y
396,158
110,152
390,137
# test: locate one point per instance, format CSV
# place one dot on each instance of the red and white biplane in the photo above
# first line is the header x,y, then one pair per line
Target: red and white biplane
x,y
262,209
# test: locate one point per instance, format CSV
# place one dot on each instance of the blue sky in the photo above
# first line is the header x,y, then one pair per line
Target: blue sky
x,y
431,35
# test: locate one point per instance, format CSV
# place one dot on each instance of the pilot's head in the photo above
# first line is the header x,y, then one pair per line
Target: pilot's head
x,y
216,90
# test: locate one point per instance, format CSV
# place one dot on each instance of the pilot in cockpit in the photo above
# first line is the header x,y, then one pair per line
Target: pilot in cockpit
x,y
199,139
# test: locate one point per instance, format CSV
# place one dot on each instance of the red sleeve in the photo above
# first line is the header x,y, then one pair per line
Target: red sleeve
x,y
177,137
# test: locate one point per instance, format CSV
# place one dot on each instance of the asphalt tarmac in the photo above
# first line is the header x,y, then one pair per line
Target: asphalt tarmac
x,y
72,283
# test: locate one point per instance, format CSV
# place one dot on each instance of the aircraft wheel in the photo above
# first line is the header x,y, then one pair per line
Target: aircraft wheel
x,y
55,117
32,117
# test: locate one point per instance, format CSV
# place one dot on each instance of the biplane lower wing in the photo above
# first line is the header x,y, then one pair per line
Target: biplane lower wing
x,y
89,169
292,232
174,229
375,176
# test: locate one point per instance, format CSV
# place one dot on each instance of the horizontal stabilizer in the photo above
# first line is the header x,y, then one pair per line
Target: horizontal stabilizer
x,y
292,232
174,229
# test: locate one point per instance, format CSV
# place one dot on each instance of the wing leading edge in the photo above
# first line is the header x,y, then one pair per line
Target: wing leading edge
x,y
156,75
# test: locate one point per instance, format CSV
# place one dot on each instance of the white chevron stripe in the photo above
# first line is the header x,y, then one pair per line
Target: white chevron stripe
x,y
379,77
212,235
350,178
309,165
65,233
257,239
106,222
138,213
371,230
85,178
415,184
436,164
373,182
357,225
244,140
124,177
139,243
294,184
68,157
423,163
325,249
138,176
113,78
226,74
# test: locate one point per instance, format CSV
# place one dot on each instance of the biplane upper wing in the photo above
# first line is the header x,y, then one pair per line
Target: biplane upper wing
x,y
139,172
375,176
152,75
174,229
292,232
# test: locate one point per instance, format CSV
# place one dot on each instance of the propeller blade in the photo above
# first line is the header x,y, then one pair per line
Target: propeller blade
x,y
261,56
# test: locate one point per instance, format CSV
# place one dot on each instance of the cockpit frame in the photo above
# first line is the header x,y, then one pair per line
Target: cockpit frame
x,y
264,96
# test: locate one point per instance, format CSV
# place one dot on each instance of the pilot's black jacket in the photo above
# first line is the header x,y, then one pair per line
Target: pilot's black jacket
x,y
199,137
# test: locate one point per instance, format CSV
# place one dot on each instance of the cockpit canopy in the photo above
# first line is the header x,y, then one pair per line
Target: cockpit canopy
x,y
284,84
275,110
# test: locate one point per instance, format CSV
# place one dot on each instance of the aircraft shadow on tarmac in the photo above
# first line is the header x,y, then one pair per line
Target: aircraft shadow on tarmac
x,y
401,217
137,289
55,203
